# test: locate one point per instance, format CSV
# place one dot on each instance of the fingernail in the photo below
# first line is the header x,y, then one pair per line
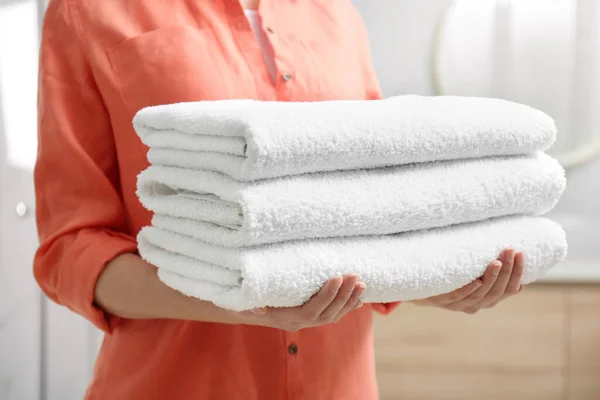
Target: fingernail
x,y
359,289
259,311
358,305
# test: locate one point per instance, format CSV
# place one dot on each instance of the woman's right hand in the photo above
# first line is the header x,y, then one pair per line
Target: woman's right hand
x,y
129,287
336,298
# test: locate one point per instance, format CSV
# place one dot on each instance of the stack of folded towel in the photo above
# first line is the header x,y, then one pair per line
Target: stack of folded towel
x,y
259,203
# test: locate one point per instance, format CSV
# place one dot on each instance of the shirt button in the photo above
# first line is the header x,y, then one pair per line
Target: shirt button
x,y
286,77
293,349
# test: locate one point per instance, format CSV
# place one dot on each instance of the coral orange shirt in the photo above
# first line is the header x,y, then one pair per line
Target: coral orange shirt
x,y
101,61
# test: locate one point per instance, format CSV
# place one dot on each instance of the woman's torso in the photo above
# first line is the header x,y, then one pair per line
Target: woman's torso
x,y
148,53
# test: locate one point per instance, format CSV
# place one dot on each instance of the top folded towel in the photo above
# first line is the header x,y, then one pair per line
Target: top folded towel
x,y
250,139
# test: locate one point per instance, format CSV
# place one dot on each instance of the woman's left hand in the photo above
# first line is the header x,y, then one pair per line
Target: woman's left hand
x,y
501,280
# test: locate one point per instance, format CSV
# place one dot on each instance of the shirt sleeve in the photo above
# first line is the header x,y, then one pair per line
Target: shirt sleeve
x,y
385,308
80,216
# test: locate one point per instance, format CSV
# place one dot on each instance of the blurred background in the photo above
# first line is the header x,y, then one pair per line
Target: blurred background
x,y
543,344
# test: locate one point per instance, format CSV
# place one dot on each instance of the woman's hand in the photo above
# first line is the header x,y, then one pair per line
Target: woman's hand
x,y
129,288
501,280
335,299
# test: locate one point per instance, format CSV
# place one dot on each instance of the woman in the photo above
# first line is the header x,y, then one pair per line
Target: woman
x,y
100,63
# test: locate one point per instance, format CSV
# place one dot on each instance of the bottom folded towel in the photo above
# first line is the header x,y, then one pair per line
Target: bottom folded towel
x,y
396,267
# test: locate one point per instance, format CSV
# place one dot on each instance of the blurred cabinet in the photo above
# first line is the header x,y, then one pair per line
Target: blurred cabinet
x,y
21,344
543,344
46,351
584,345
20,299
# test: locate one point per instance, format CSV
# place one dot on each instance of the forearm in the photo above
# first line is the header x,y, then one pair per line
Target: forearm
x,y
129,287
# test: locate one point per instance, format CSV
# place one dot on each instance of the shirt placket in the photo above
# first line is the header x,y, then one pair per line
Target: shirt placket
x,y
285,76
293,360
282,88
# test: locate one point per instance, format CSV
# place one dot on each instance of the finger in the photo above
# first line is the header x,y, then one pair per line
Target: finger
x,y
499,288
258,311
517,274
340,300
319,302
452,297
489,279
352,302
519,290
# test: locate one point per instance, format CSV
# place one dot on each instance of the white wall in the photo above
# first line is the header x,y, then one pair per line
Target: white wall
x,y
401,35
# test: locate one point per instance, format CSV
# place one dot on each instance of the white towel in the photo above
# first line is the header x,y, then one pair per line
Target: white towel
x,y
217,209
249,139
394,267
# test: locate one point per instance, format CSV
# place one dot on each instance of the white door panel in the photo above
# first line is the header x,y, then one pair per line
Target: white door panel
x,y
20,298
46,351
